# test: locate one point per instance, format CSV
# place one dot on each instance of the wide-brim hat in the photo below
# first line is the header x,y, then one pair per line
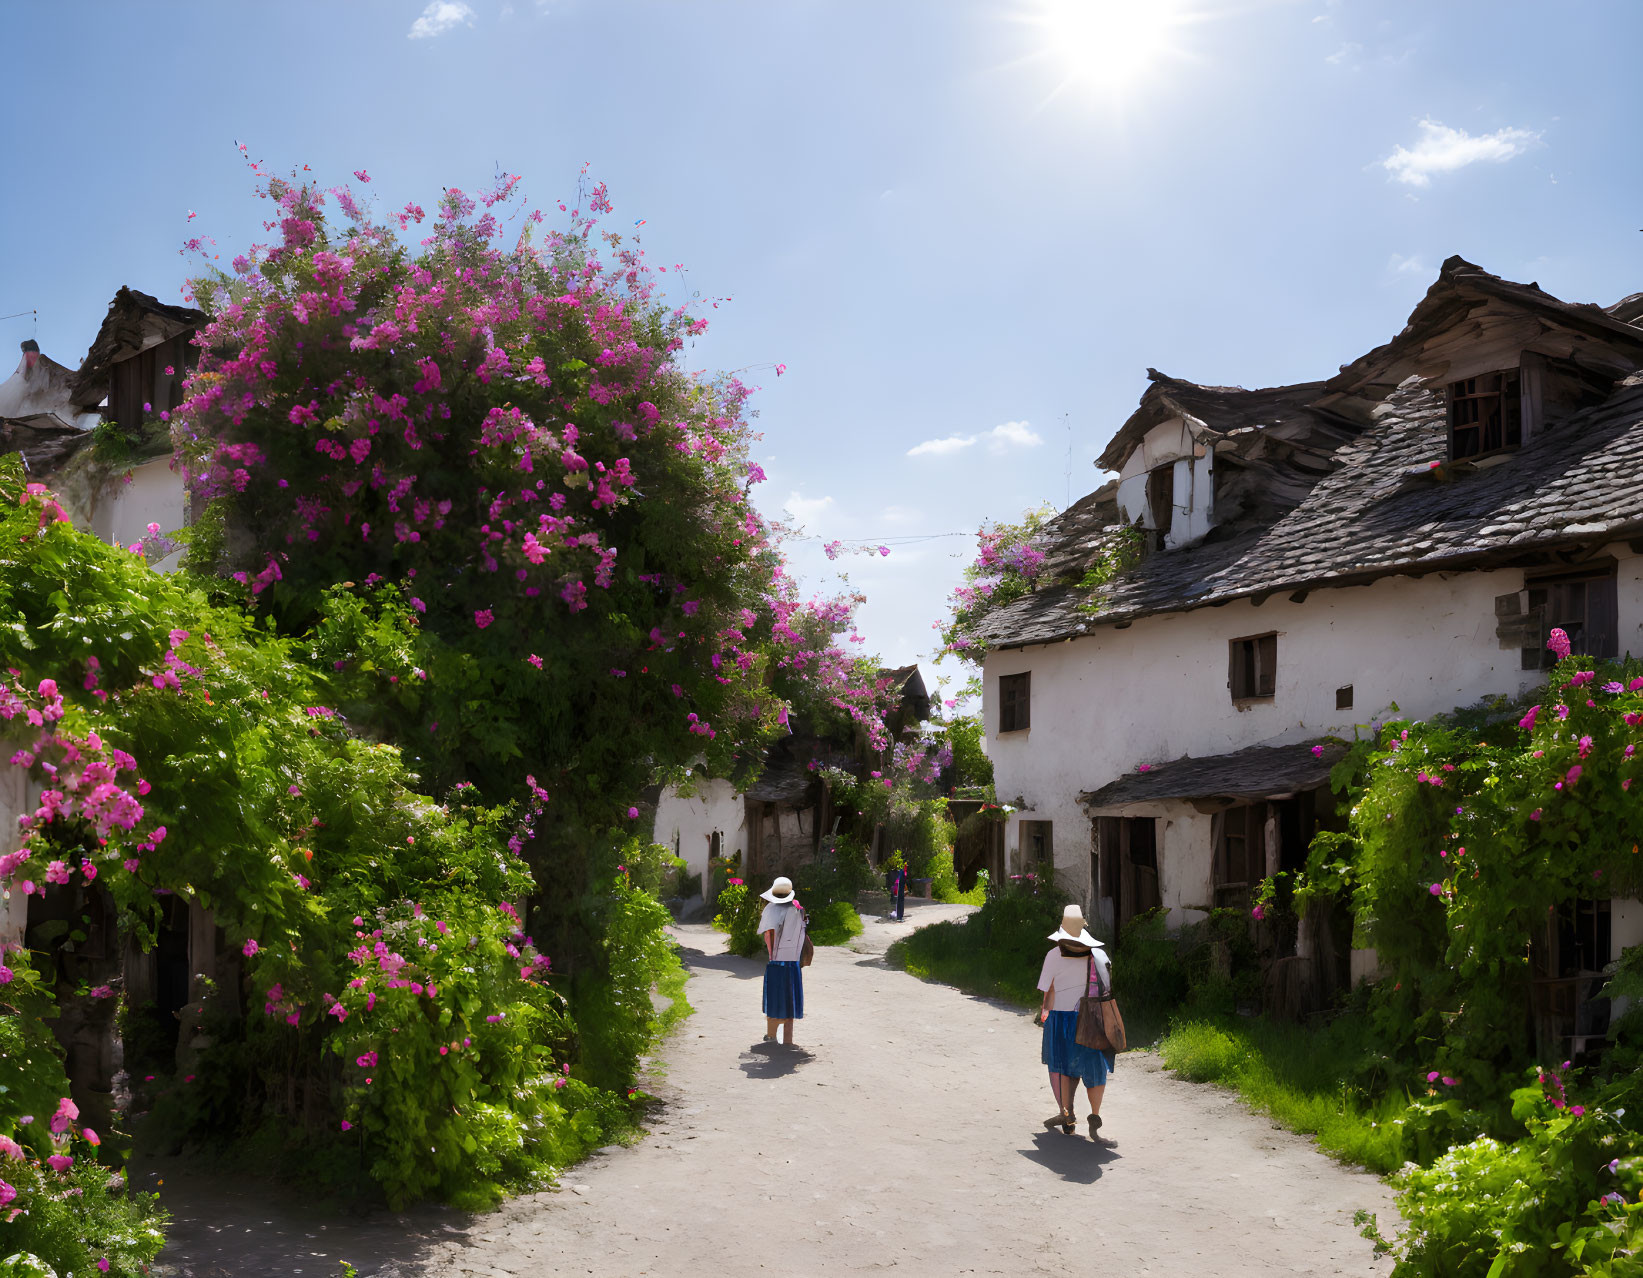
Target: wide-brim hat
x,y
781,891
1072,929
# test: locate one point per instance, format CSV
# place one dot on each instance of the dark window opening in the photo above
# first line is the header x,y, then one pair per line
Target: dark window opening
x,y
1254,667
1127,857
1343,698
1037,844
1014,702
1586,608
1161,499
1485,414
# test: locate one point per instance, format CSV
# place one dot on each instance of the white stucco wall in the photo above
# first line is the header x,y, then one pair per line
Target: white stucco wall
x,y
1169,443
15,799
1157,690
687,823
154,496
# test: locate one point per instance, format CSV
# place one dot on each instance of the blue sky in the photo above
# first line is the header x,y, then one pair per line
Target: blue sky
x,y
965,224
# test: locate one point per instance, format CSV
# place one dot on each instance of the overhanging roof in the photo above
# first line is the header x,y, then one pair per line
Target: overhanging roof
x,y
1257,772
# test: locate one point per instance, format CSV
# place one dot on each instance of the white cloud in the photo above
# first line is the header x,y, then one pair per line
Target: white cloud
x,y
941,447
804,509
1348,52
1011,435
1000,439
1398,264
1442,149
439,17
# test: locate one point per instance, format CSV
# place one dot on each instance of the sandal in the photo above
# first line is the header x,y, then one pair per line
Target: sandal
x,y
1069,1123
1056,1120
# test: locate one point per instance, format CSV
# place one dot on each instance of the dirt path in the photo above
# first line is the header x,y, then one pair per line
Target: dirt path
x,y
904,1136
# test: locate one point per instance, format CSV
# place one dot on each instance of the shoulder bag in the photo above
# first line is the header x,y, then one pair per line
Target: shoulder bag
x,y
808,951
1100,1023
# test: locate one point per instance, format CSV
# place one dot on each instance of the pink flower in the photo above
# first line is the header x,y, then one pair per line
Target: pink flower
x,y
90,1137
249,948
1317,752
632,813
1579,1111
1527,723
1436,889
347,1126
1450,1082
483,618
63,1119
1432,1077
59,1162
1143,767
1558,642
7,1193
1258,913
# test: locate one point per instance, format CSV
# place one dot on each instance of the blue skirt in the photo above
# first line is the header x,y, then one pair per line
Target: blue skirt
x,y
783,991
1063,1054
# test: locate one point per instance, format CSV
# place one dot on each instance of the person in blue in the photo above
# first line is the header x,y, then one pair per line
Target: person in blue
x,y
1077,961
782,926
898,887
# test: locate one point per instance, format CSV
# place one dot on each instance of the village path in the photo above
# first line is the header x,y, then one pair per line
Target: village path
x,y
904,1137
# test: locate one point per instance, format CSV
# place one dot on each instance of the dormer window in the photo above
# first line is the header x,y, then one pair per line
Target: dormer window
x,y
1485,414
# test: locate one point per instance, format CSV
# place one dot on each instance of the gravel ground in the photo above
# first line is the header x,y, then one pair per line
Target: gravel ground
x,y
903,1134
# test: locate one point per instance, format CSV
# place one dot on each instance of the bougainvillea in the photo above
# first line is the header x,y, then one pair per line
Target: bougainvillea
x,y
1009,560
1464,835
488,438
179,750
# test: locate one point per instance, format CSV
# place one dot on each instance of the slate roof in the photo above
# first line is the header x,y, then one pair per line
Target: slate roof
x,y
1225,408
1393,502
1257,772
1387,510
135,322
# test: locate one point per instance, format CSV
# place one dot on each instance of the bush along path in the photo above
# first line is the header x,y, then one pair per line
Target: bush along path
x,y
903,1135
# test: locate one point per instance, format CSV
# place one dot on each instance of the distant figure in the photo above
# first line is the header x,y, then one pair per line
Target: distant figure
x,y
898,888
1077,960
782,924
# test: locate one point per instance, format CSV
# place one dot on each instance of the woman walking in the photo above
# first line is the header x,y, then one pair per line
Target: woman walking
x,y
1077,961
782,924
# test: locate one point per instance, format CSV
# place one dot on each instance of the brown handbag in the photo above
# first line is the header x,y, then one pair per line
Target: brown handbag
x,y
1100,1023
809,951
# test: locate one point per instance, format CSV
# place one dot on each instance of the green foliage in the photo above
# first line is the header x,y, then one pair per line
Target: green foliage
x,y
837,874
1121,549
834,923
1563,1200
971,766
64,1220
944,882
739,910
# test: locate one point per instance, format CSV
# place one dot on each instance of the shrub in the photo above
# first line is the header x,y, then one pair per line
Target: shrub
x,y
834,923
996,952
739,910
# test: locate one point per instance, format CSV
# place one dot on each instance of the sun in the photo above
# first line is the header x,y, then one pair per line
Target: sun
x,y
1106,46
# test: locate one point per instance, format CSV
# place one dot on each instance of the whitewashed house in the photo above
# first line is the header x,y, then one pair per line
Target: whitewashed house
x,y
1395,540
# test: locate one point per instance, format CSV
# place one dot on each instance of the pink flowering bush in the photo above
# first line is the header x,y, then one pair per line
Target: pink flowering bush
x,y
1008,563
521,533
225,786
1465,835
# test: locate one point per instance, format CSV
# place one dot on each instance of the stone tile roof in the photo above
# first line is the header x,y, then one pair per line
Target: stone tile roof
x,y
1393,506
1258,772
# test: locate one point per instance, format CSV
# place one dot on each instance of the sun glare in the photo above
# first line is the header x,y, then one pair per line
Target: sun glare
x,y
1106,45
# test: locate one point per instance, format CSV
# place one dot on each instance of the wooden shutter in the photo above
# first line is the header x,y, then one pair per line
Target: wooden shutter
x,y
1602,618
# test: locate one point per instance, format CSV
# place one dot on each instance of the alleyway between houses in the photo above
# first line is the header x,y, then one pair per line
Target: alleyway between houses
x,y
902,1136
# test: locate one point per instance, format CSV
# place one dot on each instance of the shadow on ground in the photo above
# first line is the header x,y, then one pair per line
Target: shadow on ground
x,y
773,1060
1072,1158
236,1227
742,969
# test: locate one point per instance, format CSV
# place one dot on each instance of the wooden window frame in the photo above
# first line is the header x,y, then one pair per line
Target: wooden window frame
x,y
1485,414
1015,702
1030,832
1252,667
1593,625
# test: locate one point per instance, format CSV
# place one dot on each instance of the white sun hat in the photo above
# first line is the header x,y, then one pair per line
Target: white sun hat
x,y
1072,928
781,891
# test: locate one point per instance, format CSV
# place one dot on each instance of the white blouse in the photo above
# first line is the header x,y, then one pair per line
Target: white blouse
x,y
787,921
1069,976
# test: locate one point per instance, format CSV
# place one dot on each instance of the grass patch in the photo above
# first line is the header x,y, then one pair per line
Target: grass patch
x,y
1309,1080
670,984
834,923
996,952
